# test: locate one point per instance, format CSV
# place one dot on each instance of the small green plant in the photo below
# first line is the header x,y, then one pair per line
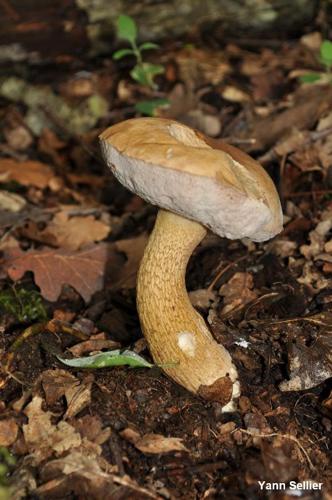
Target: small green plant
x,y
24,305
325,58
143,72
7,461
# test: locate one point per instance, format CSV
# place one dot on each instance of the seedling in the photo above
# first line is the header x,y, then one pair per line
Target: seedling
x,y
24,305
325,58
143,72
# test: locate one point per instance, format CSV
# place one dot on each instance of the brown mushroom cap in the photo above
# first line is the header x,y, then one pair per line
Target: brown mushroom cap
x,y
179,169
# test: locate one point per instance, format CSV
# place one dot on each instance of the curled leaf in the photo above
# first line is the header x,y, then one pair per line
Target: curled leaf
x,y
109,358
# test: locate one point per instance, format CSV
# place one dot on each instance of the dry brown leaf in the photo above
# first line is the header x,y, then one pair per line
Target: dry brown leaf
x,y
87,476
91,427
312,40
309,366
238,291
233,94
52,269
198,67
317,236
134,249
325,152
55,384
11,202
78,397
42,438
8,431
309,105
312,277
71,233
203,297
153,443
18,138
295,139
206,123
27,173
283,247
95,343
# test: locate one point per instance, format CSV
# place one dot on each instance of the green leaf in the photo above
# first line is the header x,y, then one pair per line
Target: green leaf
x,y
310,78
126,28
326,52
145,73
149,108
119,54
148,46
109,358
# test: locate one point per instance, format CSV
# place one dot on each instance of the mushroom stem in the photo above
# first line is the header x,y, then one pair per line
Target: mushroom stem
x,y
174,330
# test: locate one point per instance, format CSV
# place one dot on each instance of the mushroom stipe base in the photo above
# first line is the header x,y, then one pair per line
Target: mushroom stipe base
x,y
174,330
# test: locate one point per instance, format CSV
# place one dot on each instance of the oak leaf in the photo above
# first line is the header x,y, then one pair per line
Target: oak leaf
x,y
71,233
153,443
238,291
52,269
27,173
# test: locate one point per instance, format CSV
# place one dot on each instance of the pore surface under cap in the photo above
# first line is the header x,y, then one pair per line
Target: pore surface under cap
x,y
177,168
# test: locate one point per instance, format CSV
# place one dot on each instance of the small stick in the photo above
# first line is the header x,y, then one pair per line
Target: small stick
x,y
284,436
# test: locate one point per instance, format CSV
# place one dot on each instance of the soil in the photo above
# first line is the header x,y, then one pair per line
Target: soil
x,y
270,304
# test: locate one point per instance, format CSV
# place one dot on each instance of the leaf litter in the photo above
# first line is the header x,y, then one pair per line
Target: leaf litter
x,y
68,229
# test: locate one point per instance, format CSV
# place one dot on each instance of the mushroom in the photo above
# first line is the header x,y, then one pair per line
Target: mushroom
x,y
199,184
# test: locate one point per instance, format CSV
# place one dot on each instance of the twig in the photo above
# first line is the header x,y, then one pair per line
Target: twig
x,y
129,483
224,270
284,436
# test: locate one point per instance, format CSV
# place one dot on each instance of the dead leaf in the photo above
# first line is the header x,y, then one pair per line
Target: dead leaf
x,y
56,383
279,460
237,292
87,476
8,431
294,140
42,438
283,247
202,297
52,269
95,343
134,249
153,443
309,366
50,144
325,152
309,105
317,236
78,397
184,106
70,233
312,40
233,94
206,123
76,472
27,173
312,277
90,427
11,202
199,67
18,138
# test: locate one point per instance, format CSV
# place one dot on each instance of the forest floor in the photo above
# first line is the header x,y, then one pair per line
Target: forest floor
x,y
71,242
